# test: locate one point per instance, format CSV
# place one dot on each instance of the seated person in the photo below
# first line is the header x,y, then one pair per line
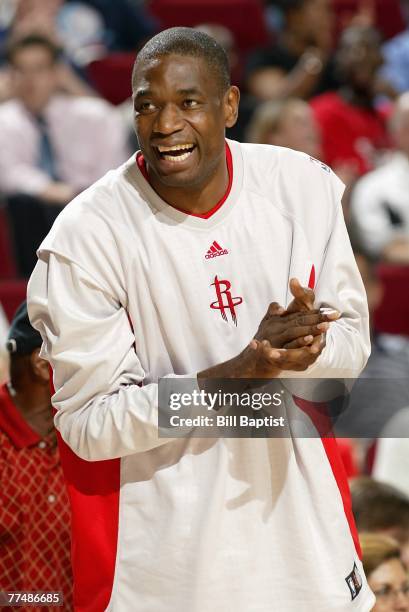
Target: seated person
x,y
53,145
34,507
286,123
300,63
353,130
380,200
386,573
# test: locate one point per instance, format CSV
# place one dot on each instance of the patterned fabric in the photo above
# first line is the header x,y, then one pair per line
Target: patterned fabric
x,y
34,510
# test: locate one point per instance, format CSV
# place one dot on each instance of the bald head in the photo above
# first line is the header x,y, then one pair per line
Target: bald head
x,y
191,43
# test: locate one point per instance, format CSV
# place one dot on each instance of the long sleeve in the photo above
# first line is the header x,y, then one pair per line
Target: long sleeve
x,y
339,286
102,411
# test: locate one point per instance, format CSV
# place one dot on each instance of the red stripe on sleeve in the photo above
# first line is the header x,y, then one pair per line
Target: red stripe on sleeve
x,y
311,281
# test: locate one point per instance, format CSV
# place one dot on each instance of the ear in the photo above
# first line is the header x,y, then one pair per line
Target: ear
x,y
40,367
231,105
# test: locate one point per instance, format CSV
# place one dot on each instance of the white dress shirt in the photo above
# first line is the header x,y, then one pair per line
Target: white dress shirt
x,y
87,136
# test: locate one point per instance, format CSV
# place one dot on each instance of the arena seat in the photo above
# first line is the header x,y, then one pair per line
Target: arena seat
x,y
111,76
12,293
244,18
392,315
8,268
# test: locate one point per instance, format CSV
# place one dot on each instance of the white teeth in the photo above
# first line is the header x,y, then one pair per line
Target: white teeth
x,y
177,159
175,148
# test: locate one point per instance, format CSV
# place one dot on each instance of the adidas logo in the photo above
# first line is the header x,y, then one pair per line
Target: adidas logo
x,y
215,251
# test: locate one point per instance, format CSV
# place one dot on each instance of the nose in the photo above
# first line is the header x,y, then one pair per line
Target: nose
x,y
168,120
401,603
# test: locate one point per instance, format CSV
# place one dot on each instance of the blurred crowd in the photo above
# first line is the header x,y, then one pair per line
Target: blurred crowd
x,y
329,78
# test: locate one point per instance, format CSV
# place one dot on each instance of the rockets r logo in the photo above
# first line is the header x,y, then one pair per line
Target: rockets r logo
x,y
225,301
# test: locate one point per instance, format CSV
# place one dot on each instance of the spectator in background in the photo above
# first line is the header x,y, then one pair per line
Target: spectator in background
x,y
391,462
34,508
300,64
383,509
127,25
26,17
4,329
380,200
353,131
86,29
53,146
286,123
386,574
396,54
382,389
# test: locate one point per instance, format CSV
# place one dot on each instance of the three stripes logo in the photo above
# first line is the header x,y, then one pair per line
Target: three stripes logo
x,y
215,251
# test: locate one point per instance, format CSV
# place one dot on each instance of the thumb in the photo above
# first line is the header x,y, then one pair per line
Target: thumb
x,y
304,296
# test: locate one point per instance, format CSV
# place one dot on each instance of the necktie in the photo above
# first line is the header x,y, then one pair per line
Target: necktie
x,y
46,159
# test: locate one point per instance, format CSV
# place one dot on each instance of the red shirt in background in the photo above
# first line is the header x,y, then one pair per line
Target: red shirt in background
x,y
350,135
34,510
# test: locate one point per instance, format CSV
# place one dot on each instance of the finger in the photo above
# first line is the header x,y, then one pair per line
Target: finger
x,y
299,359
317,345
312,317
304,296
275,309
264,349
299,342
292,333
330,313
296,360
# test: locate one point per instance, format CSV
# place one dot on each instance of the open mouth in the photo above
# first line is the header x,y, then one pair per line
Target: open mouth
x,y
177,153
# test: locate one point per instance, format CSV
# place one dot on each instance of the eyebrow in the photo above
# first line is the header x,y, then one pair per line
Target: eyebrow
x,y
141,93
188,92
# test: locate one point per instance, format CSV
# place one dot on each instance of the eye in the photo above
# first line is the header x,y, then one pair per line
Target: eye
x,y
189,103
144,107
384,591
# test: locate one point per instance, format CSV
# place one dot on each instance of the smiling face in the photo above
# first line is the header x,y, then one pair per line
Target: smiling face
x,y
180,120
389,582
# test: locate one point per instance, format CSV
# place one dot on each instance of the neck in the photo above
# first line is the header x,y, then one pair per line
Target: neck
x,y
34,405
196,199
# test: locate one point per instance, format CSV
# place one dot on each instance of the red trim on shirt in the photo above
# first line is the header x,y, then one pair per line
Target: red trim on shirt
x,y
311,281
93,489
13,423
140,160
334,458
319,415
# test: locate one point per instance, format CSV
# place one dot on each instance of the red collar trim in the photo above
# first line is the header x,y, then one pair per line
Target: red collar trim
x,y
13,424
142,167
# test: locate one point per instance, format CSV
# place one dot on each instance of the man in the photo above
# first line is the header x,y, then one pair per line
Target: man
x,y
39,173
169,273
380,200
34,511
353,130
300,64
